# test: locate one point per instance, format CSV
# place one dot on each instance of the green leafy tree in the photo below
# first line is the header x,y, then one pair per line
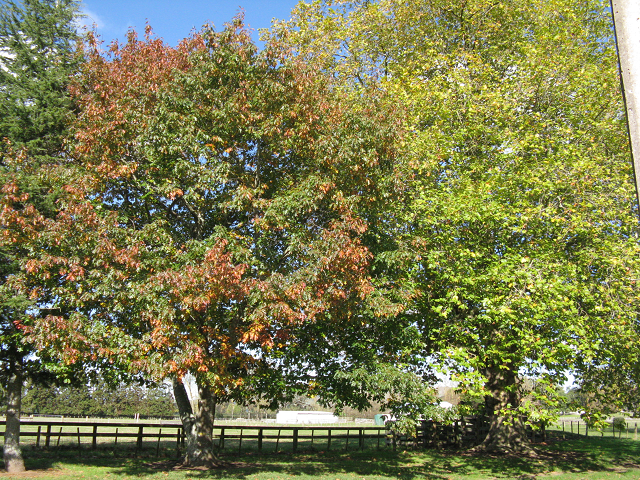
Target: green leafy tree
x,y
37,41
523,221
214,207
100,399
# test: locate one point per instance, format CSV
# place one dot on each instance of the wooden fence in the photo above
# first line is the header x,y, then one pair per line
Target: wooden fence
x,y
48,433
87,433
581,428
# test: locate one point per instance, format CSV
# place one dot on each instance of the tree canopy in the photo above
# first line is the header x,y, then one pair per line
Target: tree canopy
x,y
523,220
214,202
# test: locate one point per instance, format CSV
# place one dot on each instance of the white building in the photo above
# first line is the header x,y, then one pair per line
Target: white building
x,y
305,417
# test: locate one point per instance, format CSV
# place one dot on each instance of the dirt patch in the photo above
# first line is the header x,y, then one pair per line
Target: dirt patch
x,y
35,473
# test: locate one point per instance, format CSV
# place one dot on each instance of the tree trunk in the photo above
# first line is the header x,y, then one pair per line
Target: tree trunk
x,y
198,426
13,461
507,432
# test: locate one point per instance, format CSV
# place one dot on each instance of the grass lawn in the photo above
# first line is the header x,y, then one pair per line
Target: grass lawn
x,y
574,458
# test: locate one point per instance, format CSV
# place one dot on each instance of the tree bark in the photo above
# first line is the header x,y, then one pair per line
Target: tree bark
x,y
507,432
13,461
198,425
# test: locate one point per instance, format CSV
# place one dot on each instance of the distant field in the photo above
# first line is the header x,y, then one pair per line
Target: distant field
x,y
573,424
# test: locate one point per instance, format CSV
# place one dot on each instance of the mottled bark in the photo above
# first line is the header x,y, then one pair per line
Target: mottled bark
x,y
507,431
198,425
13,461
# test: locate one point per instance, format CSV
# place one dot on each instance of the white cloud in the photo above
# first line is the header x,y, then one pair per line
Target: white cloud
x,y
90,20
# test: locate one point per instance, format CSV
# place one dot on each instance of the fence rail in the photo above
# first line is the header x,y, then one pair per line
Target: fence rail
x,y
50,432
580,427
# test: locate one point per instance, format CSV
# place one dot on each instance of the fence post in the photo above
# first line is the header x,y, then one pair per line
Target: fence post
x,y
46,442
158,446
221,438
78,437
329,440
240,444
260,439
139,441
94,440
178,438
295,439
58,443
116,442
346,447
278,440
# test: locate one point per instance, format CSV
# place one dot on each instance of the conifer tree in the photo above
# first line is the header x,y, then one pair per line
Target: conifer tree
x,y
37,42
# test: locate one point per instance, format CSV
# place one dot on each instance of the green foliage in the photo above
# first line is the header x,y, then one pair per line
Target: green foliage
x,y
37,44
523,219
619,423
37,41
100,400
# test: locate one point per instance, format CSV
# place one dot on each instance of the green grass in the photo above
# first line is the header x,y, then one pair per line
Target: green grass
x,y
574,458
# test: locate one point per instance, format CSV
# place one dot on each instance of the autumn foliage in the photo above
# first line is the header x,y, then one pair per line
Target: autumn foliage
x,y
214,199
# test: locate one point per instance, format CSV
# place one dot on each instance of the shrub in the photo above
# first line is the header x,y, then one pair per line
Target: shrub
x,y
619,423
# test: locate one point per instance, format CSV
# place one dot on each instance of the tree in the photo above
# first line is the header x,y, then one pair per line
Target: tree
x,y
37,40
523,224
213,207
99,399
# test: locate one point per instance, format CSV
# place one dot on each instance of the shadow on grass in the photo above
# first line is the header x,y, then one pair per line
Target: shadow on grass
x,y
573,455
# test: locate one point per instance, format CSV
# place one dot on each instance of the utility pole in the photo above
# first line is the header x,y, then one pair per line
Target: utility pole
x,y
626,18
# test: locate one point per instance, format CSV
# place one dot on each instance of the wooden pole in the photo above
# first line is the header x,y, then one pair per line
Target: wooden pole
x,y
78,437
46,441
626,19
240,444
278,440
260,430
38,437
158,445
94,440
139,441
295,440
58,442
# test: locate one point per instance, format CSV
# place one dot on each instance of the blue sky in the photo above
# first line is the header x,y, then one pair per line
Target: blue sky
x,y
174,20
